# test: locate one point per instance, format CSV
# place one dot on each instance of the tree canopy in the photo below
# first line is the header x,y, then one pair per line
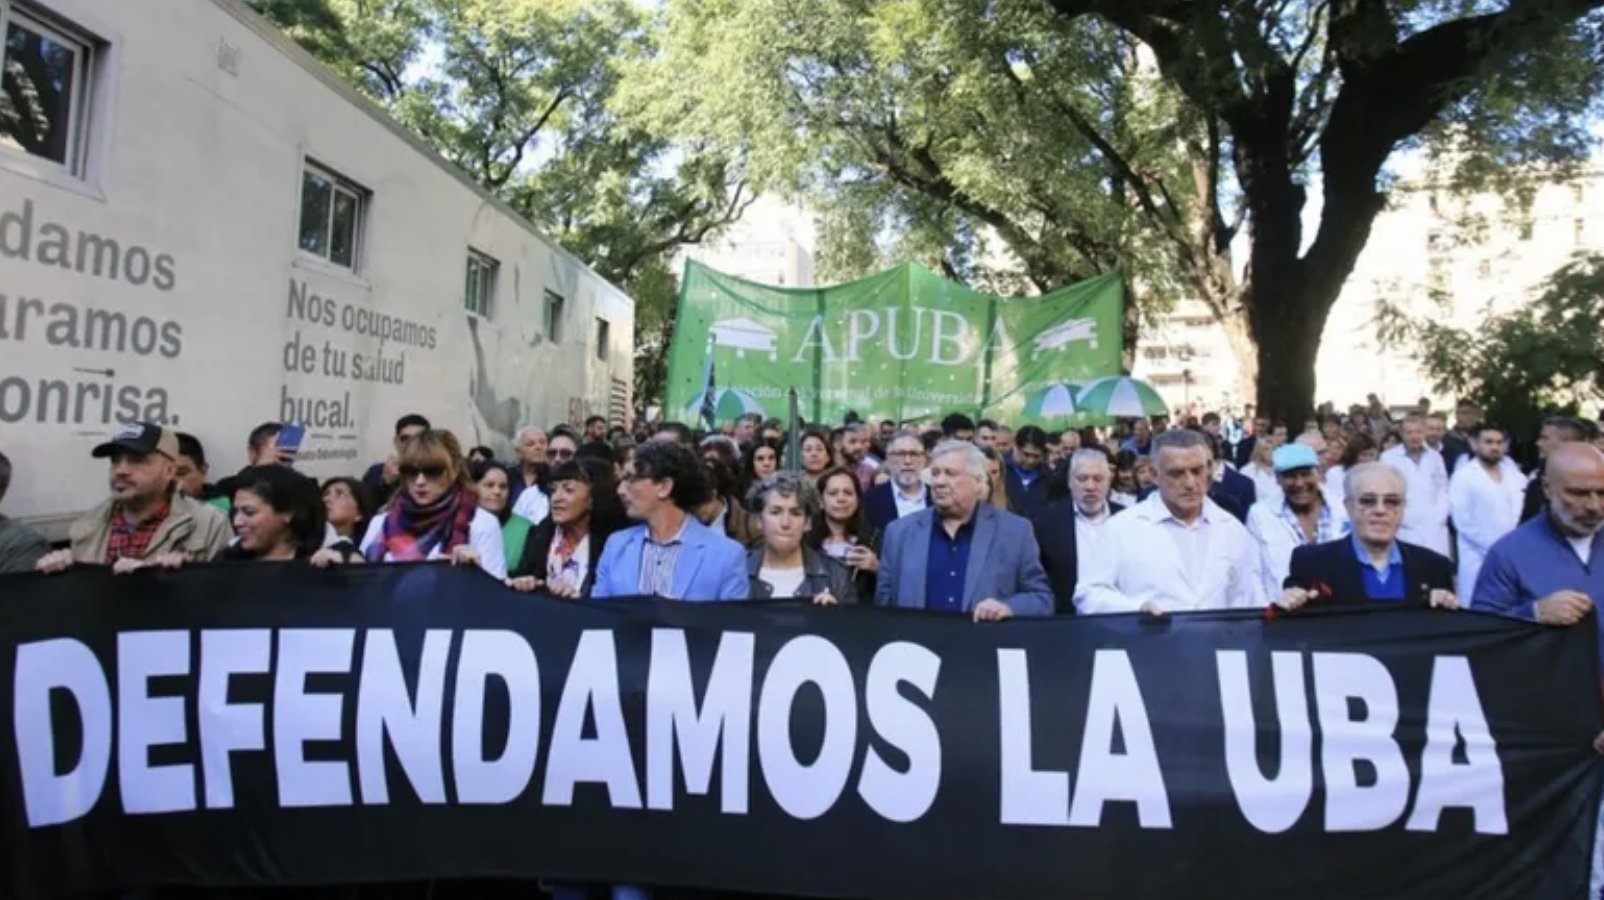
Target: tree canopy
x,y
1161,136
521,95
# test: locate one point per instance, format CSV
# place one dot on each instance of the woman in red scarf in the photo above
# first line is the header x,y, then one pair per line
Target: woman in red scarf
x,y
435,515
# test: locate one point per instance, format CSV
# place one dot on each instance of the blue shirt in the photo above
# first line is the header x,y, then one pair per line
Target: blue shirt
x,y
948,566
1388,585
1530,563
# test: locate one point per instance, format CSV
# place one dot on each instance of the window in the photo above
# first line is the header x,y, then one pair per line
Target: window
x,y
44,89
333,211
479,283
554,316
604,337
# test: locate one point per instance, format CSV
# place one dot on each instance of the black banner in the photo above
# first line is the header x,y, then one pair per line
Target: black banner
x,y
278,725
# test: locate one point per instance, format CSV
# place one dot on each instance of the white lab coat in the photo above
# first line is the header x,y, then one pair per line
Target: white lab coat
x,y
1425,521
1265,487
1139,562
1336,487
1277,536
533,504
1484,511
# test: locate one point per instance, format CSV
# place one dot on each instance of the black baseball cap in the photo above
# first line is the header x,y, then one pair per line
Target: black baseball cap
x,y
143,438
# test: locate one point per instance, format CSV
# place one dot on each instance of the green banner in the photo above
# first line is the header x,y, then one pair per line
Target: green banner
x,y
903,344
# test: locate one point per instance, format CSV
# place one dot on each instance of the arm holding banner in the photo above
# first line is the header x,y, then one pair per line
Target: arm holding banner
x,y
1098,591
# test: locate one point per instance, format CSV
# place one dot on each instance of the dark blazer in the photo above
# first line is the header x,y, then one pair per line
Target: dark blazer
x,y
1334,565
1025,501
1054,525
1536,495
880,506
537,549
1235,493
819,572
1241,454
1454,448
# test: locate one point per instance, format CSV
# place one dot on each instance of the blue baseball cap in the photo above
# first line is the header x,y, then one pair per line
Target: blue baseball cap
x,y
1288,457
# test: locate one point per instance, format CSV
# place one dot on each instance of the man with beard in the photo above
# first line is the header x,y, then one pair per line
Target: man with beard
x,y
1073,528
1484,499
906,493
146,517
1301,517
1543,570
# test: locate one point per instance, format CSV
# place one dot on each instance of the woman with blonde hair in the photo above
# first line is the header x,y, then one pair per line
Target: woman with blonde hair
x,y
435,513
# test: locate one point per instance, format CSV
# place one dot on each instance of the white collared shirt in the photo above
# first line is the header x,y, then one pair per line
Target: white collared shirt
x,y
906,506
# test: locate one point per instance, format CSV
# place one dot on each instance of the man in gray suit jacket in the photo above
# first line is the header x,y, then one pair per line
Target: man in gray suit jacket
x,y
963,555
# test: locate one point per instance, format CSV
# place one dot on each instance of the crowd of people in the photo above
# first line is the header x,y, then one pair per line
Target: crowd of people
x,y
961,517
957,516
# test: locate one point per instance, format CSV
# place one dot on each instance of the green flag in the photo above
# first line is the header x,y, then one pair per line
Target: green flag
x,y
903,344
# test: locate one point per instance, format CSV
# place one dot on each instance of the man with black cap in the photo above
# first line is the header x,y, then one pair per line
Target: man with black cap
x,y
146,517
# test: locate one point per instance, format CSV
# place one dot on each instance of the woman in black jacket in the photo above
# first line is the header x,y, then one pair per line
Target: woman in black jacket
x,y
783,565
561,553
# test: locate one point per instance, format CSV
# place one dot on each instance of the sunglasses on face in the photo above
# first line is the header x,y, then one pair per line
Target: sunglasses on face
x,y
1371,501
561,454
430,472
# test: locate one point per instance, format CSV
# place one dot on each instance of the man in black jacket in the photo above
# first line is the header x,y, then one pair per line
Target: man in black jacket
x,y
1070,527
1371,564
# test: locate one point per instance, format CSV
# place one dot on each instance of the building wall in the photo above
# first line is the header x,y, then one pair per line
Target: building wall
x,y
773,243
203,121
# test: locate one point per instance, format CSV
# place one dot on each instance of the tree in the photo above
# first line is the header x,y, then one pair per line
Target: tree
x,y
520,94
1543,357
1147,133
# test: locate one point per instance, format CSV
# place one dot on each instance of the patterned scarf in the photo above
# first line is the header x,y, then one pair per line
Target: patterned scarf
x,y
412,532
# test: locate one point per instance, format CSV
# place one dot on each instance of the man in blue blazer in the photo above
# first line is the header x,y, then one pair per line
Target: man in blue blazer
x,y
963,556
670,554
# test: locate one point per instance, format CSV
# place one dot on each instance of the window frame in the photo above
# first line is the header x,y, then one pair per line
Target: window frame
x,y
489,274
604,339
338,184
81,102
552,318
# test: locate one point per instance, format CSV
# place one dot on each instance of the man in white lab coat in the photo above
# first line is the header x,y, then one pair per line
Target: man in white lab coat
x,y
1299,517
1177,550
1426,512
1485,496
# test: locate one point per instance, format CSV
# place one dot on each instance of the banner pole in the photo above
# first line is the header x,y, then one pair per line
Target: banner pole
x,y
793,443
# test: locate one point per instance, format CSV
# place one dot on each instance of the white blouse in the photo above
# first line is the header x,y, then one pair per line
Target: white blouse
x,y
484,535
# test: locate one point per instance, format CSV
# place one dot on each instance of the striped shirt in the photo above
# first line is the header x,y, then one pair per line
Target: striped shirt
x,y
657,563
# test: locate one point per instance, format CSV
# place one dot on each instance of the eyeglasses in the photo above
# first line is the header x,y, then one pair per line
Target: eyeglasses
x,y
1371,501
430,472
561,454
906,454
